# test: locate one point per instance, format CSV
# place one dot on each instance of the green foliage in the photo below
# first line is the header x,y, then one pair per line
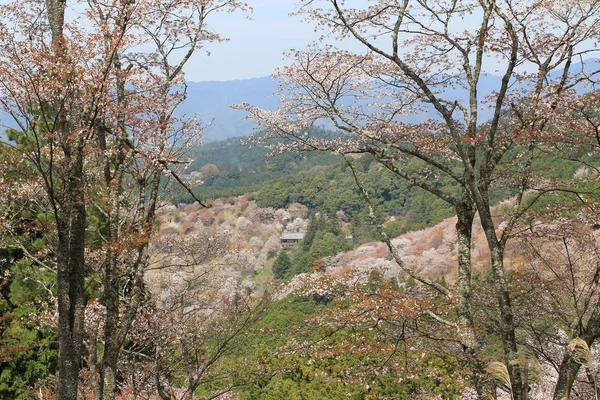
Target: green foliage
x,y
28,350
282,265
279,325
394,228
298,359
274,195
324,237
28,343
330,188
236,168
320,181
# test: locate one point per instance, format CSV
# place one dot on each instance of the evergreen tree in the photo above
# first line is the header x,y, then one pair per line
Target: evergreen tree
x,y
282,265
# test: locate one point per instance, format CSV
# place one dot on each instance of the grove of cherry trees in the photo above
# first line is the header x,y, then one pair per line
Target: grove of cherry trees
x,y
493,96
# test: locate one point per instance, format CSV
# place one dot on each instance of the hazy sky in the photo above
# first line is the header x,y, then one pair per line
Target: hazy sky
x,y
255,47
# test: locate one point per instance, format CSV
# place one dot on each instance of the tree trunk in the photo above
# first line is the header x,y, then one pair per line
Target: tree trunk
x,y
71,224
507,323
471,345
569,369
117,326
480,193
566,377
71,277
112,343
56,19
496,247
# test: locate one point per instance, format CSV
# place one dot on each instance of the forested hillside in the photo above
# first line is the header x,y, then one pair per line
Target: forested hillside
x,y
318,180
415,215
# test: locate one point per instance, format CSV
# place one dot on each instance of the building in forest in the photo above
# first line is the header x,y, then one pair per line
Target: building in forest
x,y
290,239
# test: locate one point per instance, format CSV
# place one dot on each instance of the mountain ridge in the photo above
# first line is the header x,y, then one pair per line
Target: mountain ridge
x,y
211,101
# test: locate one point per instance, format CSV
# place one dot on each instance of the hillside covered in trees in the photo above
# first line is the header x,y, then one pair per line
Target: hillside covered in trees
x,y
437,241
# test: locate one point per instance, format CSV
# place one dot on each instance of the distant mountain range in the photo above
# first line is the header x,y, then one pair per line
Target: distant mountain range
x,y
211,101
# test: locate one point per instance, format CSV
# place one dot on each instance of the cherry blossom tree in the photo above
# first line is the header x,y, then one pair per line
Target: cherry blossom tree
x,y
421,98
92,87
387,330
180,335
562,271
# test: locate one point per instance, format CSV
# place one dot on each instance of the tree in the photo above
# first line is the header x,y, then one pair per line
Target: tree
x,y
180,338
93,90
282,265
419,91
366,339
209,171
562,255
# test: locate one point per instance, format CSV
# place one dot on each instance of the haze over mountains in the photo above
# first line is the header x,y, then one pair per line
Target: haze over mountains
x,y
211,100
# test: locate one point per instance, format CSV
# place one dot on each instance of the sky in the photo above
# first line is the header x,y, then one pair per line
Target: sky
x,y
256,45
